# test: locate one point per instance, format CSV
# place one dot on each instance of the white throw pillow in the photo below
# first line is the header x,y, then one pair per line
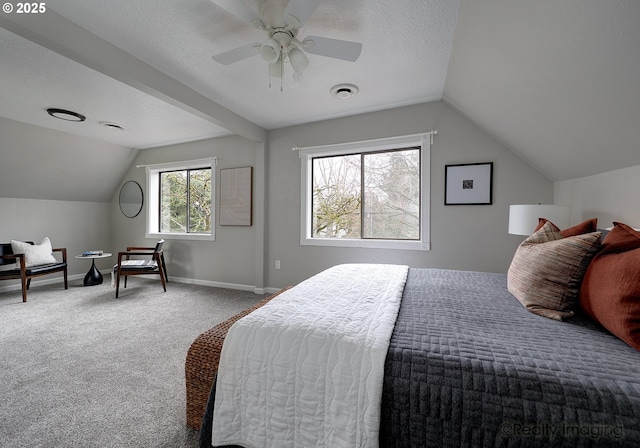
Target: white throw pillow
x,y
34,254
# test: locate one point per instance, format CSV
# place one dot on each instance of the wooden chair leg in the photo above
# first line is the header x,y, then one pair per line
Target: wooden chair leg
x,y
164,283
164,268
25,286
160,262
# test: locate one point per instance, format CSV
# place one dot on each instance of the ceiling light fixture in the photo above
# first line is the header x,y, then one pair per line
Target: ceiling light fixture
x,y
66,115
299,62
280,47
112,125
344,91
282,20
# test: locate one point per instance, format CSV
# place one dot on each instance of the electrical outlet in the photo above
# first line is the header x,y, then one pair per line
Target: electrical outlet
x,y
277,264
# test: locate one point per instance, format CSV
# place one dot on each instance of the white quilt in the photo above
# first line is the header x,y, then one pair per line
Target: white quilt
x,y
306,369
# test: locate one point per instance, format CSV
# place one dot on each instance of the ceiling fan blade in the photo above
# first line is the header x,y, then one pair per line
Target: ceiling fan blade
x,y
237,54
301,9
239,9
332,48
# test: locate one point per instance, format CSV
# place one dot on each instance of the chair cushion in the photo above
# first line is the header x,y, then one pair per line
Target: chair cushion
x,y
129,265
40,269
34,254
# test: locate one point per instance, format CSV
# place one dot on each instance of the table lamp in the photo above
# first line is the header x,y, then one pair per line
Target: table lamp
x,y
523,219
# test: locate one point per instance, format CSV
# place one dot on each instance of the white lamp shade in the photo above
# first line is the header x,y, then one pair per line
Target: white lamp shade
x,y
275,69
298,60
523,219
270,50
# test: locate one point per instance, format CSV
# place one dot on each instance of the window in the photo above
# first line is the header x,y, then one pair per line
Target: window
x,y
369,194
180,200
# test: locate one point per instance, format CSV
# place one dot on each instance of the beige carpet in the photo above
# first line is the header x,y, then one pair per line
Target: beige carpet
x,y
79,368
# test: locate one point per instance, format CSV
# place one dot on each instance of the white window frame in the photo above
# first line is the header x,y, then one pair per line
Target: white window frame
x,y
306,190
153,202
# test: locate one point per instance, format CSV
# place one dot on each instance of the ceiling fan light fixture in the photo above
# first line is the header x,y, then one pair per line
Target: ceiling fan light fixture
x,y
299,61
275,69
344,91
270,50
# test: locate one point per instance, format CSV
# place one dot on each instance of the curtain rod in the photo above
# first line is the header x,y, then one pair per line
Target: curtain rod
x,y
364,142
212,159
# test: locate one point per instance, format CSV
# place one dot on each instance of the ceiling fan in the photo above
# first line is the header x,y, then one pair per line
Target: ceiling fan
x,y
281,20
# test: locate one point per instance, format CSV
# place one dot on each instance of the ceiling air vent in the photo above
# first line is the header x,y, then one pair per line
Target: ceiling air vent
x,y
112,125
344,91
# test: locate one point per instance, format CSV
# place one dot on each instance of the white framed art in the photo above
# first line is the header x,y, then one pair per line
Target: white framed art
x,y
236,185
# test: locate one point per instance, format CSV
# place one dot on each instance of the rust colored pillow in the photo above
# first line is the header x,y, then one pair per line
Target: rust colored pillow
x,y
547,269
610,291
588,226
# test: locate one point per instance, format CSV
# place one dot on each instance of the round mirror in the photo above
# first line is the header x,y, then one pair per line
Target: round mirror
x,y
131,199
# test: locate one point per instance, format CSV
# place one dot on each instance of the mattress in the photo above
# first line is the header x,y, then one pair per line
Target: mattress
x,y
468,365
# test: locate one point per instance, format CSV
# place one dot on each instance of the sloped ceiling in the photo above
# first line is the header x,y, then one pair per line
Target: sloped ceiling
x,y
554,81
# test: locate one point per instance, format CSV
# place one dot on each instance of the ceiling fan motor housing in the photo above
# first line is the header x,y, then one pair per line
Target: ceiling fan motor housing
x,y
282,20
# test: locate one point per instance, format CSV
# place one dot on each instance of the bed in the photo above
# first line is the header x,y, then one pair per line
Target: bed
x,y
468,365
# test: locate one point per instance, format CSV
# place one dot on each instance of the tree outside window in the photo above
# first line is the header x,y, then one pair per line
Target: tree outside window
x,y
372,195
185,201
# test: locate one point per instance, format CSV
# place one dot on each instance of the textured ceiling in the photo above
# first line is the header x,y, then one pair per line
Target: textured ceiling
x,y
558,82
34,79
404,60
554,81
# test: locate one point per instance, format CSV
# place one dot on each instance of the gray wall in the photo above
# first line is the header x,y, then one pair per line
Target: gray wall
x,y
227,261
463,237
41,163
78,226
610,196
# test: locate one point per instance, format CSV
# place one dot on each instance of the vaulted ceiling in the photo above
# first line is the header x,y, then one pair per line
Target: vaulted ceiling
x,y
555,81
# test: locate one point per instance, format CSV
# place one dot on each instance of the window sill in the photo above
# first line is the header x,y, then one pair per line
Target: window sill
x,y
183,236
371,244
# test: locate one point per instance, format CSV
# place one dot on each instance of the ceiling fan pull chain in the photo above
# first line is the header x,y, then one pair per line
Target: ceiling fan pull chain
x,y
281,72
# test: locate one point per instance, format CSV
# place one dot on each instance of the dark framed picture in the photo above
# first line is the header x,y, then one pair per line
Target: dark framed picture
x,y
468,184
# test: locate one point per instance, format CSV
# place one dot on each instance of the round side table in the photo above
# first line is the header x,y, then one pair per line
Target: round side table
x,y
93,277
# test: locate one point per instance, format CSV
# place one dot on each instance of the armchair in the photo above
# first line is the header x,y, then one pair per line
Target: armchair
x,y
141,266
25,269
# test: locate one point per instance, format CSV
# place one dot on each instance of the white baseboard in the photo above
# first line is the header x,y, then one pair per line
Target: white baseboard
x,y
190,281
215,284
44,281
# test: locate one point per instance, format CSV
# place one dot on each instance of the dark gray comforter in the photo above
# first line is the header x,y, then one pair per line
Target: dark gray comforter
x,y
468,366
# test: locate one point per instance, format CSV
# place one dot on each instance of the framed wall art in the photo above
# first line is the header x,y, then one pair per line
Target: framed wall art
x,y
468,184
236,185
